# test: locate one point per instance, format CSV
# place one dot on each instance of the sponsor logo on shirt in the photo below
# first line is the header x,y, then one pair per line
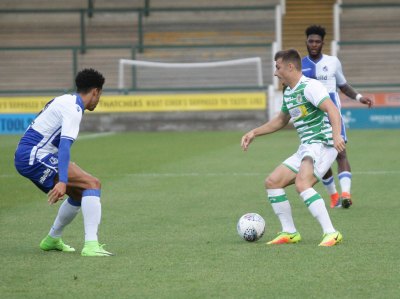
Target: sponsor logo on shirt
x,y
322,77
298,112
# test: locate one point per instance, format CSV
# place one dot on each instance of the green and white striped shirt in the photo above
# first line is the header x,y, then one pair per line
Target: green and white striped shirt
x,y
302,102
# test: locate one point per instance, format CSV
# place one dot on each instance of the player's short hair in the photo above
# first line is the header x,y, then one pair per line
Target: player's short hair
x,y
316,29
87,79
289,56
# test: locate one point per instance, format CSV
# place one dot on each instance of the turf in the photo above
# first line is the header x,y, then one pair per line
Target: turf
x,y
170,206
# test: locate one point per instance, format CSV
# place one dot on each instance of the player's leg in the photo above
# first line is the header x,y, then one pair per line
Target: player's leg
x,y
344,174
275,183
328,179
66,213
305,181
44,175
330,186
86,188
316,161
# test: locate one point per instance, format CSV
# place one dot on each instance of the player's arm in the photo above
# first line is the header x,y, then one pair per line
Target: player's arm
x,y
349,91
63,161
71,118
317,94
275,124
334,118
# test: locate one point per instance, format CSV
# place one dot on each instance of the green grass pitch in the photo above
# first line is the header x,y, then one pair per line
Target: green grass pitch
x,y
171,202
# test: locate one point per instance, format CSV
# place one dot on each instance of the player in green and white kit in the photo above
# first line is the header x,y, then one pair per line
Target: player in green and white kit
x,y
317,120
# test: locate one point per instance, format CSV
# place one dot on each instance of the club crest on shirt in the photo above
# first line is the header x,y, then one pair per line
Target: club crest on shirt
x,y
53,160
299,98
78,108
325,68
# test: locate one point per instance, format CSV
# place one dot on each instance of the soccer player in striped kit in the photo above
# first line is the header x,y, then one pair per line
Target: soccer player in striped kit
x,y
328,70
317,121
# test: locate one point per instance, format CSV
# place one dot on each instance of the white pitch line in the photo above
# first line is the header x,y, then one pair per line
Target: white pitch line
x,y
190,174
377,172
95,135
193,174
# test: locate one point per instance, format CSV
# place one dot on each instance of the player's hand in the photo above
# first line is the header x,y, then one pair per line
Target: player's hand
x,y
56,193
339,143
367,101
247,139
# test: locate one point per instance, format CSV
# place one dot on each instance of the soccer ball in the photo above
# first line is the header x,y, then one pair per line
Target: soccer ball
x,y
251,227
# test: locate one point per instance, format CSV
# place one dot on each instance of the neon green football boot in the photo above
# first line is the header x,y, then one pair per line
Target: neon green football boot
x,y
331,239
50,243
286,238
93,248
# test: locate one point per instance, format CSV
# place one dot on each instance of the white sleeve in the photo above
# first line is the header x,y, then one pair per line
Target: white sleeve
x,y
315,92
340,78
71,119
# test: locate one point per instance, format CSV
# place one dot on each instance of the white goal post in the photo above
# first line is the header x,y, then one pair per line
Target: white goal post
x,y
165,65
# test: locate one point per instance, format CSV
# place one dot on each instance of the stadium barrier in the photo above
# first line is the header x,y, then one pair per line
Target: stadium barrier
x,y
143,11
138,45
189,111
384,115
75,66
204,111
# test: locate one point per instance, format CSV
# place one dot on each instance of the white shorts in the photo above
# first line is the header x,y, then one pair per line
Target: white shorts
x,y
322,155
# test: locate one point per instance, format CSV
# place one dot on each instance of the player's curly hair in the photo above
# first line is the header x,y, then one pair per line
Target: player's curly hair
x,y
316,29
88,79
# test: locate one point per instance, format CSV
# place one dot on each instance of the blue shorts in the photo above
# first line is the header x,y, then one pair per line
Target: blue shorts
x,y
42,172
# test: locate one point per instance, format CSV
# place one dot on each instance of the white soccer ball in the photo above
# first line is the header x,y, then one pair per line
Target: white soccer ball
x,y
251,227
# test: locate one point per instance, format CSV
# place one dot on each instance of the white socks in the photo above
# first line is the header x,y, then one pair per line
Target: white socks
x,y
66,213
316,206
281,206
345,181
91,210
330,185
313,201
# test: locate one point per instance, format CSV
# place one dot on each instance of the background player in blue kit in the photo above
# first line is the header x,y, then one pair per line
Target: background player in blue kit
x,y
43,156
328,70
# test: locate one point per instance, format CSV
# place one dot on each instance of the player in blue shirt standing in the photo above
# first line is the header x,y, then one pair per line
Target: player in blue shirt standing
x,y
328,70
43,156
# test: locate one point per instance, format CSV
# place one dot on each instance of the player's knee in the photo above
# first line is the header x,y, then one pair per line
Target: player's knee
x,y
301,183
271,183
94,183
300,187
